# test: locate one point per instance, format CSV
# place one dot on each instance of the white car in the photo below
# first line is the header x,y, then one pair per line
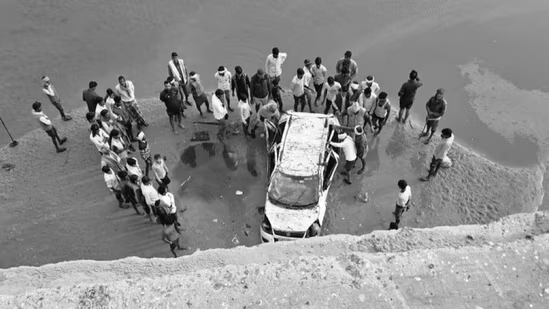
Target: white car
x,y
301,166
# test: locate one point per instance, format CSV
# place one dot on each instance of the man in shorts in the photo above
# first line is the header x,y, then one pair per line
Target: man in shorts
x,y
407,95
380,112
170,97
436,106
199,95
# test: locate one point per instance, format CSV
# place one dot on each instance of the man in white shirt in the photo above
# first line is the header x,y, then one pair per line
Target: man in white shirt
x,y
319,73
298,89
46,125
220,113
126,91
307,78
99,137
368,99
244,112
370,83
178,70
441,152
331,89
53,96
149,193
113,184
404,197
273,64
224,78
349,149
167,200
160,170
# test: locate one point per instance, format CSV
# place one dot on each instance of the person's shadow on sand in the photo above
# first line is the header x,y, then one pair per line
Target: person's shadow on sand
x,y
397,144
251,158
189,156
372,158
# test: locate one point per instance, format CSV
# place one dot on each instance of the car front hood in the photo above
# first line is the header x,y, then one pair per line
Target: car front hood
x,y
291,220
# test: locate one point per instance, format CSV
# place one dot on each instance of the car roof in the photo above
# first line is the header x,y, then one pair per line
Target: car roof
x,y
304,144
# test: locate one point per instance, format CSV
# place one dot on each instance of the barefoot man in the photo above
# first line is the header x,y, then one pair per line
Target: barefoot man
x,y
53,96
407,95
436,106
170,97
170,234
441,153
47,126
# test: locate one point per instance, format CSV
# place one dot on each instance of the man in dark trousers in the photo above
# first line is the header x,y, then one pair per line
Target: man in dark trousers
x,y
260,88
47,126
170,97
436,106
241,83
407,95
90,96
441,153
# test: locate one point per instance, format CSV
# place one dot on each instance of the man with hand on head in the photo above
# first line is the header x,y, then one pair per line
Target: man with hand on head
x,y
53,96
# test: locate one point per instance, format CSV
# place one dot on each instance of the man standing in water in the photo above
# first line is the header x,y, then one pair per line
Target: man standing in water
x,y
178,70
349,63
273,64
349,149
90,97
47,126
224,78
52,95
173,108
440,153
436,106
126,91
199,95
407,95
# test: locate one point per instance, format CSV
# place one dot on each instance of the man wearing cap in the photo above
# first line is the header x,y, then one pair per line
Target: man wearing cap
x,y
370,83
220,113
52,95
441,153
349,149
199,95
260,88
224,78
436,106
307,78
273,64
331,89
407,95
46,125
298,89
178,70
346,61
380,112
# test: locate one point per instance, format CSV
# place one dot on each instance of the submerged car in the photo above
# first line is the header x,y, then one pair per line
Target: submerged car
x,y
301,166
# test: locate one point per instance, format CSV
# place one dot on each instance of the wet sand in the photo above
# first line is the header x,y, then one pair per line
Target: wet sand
x,y
68,213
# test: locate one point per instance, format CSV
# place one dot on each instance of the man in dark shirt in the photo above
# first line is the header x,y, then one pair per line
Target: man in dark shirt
x,y
260,88
240,83
344,79
407,95
89,96
436,107
170,97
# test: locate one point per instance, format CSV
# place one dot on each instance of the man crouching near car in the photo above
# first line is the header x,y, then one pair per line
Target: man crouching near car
x,y
349,149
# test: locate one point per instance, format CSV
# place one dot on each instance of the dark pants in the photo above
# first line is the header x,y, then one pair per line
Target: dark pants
x,y
164,181
318,89
54,137
246,127
201,99
227,97
148,165
435,165
398,213
183,91
378,122
297,100
59,107
118,195
328,106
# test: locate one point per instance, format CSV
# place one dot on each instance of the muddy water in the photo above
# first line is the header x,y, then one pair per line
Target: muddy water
x,y
217,172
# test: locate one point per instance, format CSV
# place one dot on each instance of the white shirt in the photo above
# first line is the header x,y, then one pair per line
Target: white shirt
x,y
219,109
348,146
150,194
244,111
319,74
332,90
160,170
297,86
307,77
375,87
109,103
100,140
365,102
98,110
273,66
169,200
443,147
112,181
126,93
404,197
223,81
42,117
135,170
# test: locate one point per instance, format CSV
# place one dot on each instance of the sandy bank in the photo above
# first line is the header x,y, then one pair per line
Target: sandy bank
x,y
501,264
55,207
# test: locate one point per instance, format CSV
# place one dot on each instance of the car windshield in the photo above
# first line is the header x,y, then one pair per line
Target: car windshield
x,y
293,191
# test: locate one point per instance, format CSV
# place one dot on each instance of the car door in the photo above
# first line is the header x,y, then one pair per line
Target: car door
x,y
331,167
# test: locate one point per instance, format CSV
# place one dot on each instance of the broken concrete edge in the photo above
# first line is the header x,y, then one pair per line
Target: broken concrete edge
x,y
24,279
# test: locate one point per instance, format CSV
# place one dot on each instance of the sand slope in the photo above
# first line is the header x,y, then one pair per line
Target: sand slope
x,y
56,207
502,264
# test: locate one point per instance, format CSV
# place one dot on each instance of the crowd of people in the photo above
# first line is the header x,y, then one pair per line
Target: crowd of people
x,y
360,106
